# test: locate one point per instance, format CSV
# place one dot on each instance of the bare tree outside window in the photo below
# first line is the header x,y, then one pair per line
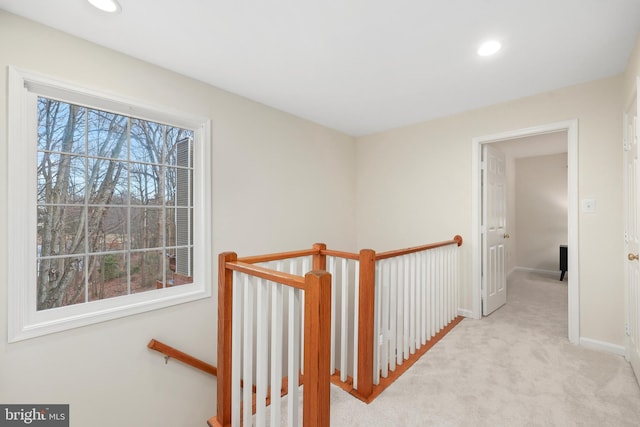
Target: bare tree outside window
x,y
115,205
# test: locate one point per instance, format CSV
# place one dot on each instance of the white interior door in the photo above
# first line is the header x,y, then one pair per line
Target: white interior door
x,y
494,229
632,236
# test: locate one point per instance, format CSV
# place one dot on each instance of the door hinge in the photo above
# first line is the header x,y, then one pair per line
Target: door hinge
x,y
626,328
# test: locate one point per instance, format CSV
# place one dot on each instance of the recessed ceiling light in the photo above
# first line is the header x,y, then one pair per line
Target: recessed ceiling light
x,y
111,6
489,48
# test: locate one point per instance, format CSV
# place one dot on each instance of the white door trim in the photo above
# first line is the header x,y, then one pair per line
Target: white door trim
x,y
571,126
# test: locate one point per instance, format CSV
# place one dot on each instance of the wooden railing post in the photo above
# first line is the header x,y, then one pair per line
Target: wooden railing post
x,y
317,349
319,259
366,318
225,300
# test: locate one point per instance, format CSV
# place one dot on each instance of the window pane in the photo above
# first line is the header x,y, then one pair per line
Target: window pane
x,y
146,228
115,205
60,230
108,182
108,277
146,270
61,126
147,141
170,227
61,178
60,282
171,178
108,228
107,135
146,184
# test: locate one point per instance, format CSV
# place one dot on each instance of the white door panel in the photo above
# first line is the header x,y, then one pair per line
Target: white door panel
x,y
632,236
494,217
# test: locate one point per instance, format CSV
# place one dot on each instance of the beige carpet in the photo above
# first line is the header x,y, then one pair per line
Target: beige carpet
x,y
513,368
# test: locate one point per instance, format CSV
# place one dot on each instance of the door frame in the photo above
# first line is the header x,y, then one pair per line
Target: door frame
x,y
571,127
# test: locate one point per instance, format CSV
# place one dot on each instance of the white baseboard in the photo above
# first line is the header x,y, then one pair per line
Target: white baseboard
x,y
603,346
465,313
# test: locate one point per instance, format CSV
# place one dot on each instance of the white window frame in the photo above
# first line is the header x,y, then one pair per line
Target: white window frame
x,y
25,321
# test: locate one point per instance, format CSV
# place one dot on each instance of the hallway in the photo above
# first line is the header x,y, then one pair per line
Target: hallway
x,y
513,368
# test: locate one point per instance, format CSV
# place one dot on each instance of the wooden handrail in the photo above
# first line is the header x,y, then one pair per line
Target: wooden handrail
x,y
366,311
266,273
319,334
317,337
278,256
321,249
341,254
457,240
173,353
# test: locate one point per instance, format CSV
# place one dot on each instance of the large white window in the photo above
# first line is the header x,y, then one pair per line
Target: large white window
x,y
108,206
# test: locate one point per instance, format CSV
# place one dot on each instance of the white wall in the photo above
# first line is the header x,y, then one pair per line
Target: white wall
x,y
541,210
631,74
414,186
279,183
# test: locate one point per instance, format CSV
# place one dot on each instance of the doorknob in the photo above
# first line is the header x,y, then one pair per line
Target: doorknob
x,y
506,235
633,257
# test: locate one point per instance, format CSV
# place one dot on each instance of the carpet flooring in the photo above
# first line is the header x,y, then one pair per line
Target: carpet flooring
x,y
515,367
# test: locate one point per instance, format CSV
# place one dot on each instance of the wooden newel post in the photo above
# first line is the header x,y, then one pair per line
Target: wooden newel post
x,y
366,314
319,259
225,300
317,349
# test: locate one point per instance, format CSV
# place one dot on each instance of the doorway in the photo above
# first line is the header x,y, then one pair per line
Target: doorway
x,y
571,129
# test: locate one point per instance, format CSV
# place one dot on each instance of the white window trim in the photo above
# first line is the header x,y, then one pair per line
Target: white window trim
x,y
24,320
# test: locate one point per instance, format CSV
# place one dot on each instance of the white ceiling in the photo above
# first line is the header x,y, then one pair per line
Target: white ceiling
x,y
362,66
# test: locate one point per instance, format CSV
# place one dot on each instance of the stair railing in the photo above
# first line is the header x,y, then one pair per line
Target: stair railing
x,y
245,289
386,309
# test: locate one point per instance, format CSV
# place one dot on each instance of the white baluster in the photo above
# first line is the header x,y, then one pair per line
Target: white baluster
x,y
419,310
400,311
247,356
452,278
384,321
276,351
293,358
261,353
405,308
331,261
376,323
236,348
344,319
441,321
457,278
305,269
433,305
412,306
423,303
356,323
